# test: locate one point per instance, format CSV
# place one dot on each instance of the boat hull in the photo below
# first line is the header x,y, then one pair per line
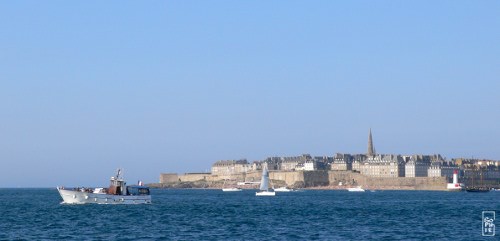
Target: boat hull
x,y
283,189
78,197
477,190
231,189
355,189
265,193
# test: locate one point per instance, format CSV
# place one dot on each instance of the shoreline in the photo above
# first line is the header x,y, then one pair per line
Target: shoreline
x,y
324,188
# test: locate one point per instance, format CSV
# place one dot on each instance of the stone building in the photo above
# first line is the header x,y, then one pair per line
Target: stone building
x,y
294,163
272,163
322,162
485,172
371,148
310,165
357,162
492,172
417,165
476,163
341,162
230,167
169,177
383,166
441,169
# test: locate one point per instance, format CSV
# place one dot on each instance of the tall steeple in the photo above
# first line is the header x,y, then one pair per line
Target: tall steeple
x,y
371,150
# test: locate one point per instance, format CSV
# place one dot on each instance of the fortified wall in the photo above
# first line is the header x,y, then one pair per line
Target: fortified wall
x,y
187,177
300,179
169,177
348,178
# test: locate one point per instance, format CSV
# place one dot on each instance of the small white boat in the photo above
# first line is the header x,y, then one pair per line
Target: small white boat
x,y
283,189
264,184
117,193
355,189
231,189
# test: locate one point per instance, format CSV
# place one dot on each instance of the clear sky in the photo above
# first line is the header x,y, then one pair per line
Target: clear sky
x,y
173,86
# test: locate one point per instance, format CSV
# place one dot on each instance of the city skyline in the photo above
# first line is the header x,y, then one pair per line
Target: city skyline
x,y
175,86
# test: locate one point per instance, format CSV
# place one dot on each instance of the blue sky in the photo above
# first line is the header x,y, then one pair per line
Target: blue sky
x,y
173,86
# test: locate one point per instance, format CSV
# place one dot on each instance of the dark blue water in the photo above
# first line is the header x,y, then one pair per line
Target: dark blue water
x,y
35,214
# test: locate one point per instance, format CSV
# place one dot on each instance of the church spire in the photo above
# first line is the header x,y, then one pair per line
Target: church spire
x,y
371,150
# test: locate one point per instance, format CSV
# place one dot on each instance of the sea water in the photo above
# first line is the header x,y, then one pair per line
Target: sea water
x,y
36,214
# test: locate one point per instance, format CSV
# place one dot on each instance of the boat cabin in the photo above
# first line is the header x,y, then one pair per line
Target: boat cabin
x,y
118,186
137,190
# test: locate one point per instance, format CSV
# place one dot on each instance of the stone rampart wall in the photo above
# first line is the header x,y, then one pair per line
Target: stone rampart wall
x,y
193,177
290,178
169,177
299,179
349,178
315,178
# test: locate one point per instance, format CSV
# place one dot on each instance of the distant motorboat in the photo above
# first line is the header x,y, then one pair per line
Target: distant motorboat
x,y
264,184
117,193
231,189
477,189
355,189
284,189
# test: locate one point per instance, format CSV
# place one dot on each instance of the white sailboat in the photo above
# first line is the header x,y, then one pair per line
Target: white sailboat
x,y
264,184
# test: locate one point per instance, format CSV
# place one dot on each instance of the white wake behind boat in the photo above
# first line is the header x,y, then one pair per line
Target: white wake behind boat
x,y
283,189
117,193
265,193
355,189
264,184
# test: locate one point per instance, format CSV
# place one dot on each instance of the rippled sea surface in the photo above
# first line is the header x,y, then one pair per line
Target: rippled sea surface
x,y
36,214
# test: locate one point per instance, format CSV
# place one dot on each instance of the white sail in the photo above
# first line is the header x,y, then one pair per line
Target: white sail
x,y
264,182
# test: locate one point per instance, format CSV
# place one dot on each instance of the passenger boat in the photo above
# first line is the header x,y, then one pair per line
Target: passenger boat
x,y
117,193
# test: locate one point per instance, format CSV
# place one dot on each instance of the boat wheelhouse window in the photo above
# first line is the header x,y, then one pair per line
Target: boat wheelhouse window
x,y
144,191
139,190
